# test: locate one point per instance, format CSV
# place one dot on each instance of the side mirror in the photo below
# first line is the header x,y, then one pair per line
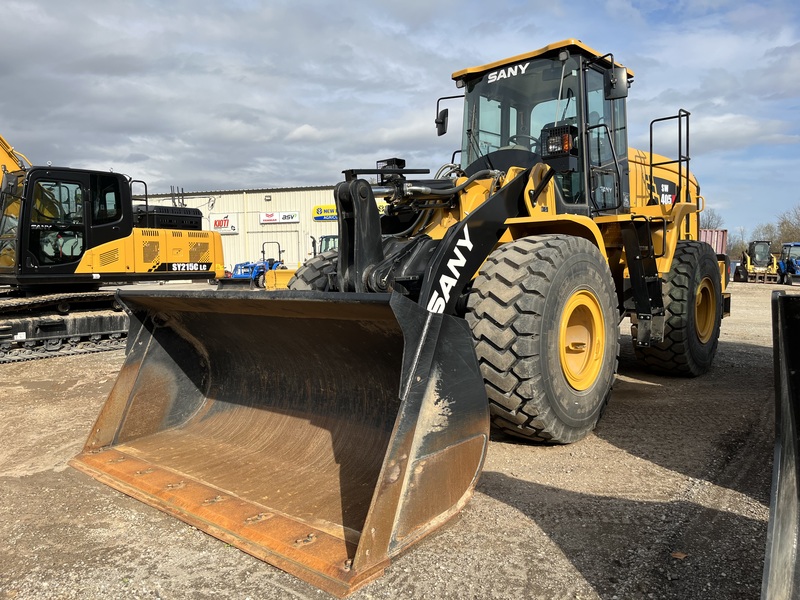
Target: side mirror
x,y
616,83
441,122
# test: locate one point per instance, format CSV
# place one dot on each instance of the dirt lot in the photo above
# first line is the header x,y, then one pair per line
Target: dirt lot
x,y
669,498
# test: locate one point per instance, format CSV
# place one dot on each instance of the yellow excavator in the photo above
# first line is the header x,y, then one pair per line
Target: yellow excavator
x,y
491,292
64,234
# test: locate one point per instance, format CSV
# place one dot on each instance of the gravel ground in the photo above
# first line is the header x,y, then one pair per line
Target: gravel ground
x,y
668,498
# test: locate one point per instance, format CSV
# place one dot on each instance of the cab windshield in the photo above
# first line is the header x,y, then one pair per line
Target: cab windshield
x,y
792,252
509,107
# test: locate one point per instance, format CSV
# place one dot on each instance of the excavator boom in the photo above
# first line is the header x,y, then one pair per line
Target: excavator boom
x,y
10,159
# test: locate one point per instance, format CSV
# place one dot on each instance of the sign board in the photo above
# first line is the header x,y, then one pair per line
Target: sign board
x,y
225,224
279,217
324,212
327,212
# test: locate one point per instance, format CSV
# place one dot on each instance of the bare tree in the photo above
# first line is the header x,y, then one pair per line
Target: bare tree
x,y
765,232
737,243
711,219
789,225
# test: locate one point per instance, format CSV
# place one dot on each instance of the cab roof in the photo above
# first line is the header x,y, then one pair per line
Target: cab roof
x,y
573,45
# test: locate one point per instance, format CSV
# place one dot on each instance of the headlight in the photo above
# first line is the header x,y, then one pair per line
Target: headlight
x,y
560,141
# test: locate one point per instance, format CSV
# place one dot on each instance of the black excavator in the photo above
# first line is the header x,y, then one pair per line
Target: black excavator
x,y
65,234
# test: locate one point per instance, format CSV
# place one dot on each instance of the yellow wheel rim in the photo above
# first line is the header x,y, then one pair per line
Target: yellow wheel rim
x,y
705,310
582,340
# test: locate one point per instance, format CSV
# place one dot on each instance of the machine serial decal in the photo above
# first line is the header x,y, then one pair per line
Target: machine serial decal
x,y
204,266
439,300
662,191
511,71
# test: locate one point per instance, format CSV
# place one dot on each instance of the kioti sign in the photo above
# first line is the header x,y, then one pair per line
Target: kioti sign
x,y
225,224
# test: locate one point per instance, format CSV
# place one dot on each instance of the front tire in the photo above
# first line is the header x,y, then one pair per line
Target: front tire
x,y
693,304
544,318
313,275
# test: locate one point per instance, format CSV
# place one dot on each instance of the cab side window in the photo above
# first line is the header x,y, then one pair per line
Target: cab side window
x,y
107,204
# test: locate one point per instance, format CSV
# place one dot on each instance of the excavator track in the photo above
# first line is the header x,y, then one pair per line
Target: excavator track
x,y
63,324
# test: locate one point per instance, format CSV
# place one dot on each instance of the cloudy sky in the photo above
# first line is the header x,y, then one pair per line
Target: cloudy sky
x,y
214,95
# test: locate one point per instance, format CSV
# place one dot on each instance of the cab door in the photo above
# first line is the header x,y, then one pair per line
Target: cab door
x,y
109,209
56,238
606,142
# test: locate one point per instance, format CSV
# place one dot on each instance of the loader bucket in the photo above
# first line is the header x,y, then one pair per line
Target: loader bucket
x,y
322,433
781,565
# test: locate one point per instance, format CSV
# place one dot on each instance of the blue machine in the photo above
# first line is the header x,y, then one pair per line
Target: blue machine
x,y
253,273
789,263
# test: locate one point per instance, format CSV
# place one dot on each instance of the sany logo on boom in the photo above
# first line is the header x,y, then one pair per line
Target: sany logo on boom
x,y
511,71
441,297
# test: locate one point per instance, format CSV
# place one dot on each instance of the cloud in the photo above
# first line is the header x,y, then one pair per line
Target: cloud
x,y
309,133
213,95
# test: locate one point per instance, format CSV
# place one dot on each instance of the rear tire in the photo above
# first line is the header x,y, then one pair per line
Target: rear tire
x,y
313,275
543,313
693,303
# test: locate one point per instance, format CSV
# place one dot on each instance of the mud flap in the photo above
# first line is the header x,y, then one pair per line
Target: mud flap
x,y
321,433
781,575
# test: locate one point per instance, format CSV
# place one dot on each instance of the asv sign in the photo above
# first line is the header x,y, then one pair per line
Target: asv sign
x,y
225,224
441,295
279,217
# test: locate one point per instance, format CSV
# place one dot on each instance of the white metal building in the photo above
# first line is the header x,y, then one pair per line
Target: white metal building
x,y
264,220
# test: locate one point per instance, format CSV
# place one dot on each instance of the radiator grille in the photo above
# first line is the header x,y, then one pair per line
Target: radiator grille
x,y
110,257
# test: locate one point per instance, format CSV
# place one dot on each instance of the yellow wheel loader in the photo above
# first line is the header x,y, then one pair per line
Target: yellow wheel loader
x,y
496,287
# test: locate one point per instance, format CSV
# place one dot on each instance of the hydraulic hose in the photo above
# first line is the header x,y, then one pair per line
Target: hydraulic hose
x,y
424,190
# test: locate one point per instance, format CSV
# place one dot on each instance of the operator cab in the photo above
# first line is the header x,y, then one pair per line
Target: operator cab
x,y
790,251
50,216
760,253
563,105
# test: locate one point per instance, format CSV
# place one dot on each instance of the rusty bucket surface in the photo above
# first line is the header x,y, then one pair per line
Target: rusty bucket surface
x,y
322,433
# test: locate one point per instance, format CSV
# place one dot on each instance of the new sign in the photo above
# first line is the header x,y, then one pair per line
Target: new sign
x,y
327,212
